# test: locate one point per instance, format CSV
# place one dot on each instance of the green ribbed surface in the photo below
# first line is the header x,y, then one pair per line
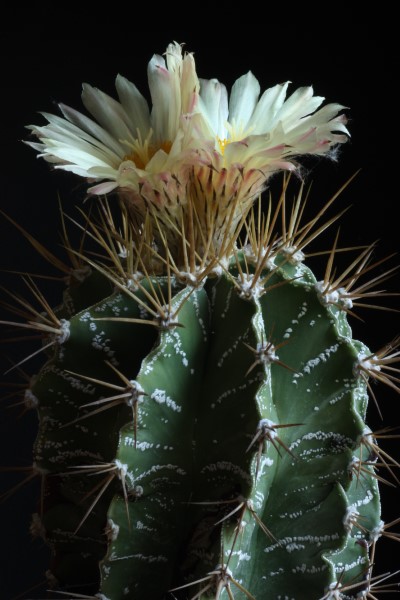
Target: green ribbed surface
x,y
197,488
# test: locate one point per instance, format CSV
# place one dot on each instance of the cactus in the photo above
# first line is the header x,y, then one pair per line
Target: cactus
x,y
202,405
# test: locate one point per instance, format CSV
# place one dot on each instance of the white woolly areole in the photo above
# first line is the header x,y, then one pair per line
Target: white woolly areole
x,y
30,400
223,572
266,353
136,391
327,295
36,527
166,320
51,579
193,278
270,264
267,427
81,273
121,467
261,253
112,530
293,254
249,289
367,432
367,436
136,491
334,591
345,301
220,268
365,362
355,462
63,335
132,282
350,516
377,531
39,470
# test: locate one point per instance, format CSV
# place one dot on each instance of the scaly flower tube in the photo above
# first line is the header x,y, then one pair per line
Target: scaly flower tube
x,y
194,151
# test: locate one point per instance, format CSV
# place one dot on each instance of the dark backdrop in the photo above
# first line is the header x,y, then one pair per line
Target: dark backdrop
x,y
49,50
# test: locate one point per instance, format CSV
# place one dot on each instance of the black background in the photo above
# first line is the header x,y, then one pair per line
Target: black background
x,y
48,50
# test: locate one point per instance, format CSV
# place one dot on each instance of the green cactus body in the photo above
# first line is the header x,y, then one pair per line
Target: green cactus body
x,y
215,447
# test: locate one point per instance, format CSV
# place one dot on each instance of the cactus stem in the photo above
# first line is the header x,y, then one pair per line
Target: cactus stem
x,y
250,287
60,334
371,586
154,322
27,399
352,519
338,290
33,471
382,531
45,321
376,365
247,505
265,355
113,243
365,469
46,324
335,590
219,579
375,452
111,402
297,236
130,395
242,505
29,402
261,230
266,432
245,291
114,469
126,290
147,275
252,282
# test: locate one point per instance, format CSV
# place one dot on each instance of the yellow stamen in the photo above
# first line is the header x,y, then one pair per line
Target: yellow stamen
x,y
144,153
222,144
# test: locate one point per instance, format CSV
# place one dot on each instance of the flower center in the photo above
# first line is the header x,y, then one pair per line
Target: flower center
x,y
222,144
142,153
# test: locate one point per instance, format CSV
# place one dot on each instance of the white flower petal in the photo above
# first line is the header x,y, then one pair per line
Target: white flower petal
x,y
62,131
103,188
300,104
174,56
213,103
243,100
76,156
135,106
108,112
84,125
190,85
264,115
165,95
102,172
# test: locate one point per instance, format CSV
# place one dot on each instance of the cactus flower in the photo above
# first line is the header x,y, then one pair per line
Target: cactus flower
x,y
163,157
